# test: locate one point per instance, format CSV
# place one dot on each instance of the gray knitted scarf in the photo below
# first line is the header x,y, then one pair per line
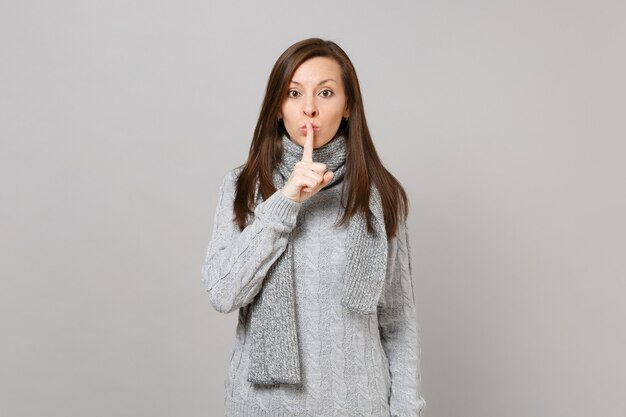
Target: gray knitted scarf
x,y
275,355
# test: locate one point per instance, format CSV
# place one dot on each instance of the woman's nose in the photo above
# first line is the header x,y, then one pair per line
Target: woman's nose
x,y
310,109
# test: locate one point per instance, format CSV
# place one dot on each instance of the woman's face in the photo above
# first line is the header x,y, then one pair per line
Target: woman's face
x,y
316,93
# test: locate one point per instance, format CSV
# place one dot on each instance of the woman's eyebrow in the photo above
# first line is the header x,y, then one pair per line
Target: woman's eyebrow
x,y
320,83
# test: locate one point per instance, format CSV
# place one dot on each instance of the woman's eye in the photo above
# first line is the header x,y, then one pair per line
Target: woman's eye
x,y
326,93
293,93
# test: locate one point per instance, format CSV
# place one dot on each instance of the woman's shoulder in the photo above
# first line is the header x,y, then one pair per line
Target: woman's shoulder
x,y
234,172
231,176
228,183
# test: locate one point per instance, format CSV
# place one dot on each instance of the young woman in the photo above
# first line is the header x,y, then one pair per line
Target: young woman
x,y
310,244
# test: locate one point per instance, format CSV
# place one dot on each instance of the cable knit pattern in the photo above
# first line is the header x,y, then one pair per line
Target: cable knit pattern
x,y
275,356
351,364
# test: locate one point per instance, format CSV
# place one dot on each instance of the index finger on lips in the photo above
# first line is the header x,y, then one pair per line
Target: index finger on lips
x,y
307,155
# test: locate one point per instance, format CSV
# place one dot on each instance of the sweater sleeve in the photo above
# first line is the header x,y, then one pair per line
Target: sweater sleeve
x,y
399,330
237,261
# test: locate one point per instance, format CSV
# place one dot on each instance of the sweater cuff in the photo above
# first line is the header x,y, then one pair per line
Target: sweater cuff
x,y
281,208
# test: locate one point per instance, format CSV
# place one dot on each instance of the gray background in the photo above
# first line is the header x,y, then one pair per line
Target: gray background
x,y
504,121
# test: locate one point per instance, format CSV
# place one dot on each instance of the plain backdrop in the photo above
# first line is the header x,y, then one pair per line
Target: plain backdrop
x,y
503,120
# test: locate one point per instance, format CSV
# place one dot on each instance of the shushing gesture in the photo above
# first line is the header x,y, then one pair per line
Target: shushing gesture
x,y
307,177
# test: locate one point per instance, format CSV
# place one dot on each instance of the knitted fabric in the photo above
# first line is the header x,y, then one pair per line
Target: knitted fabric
x,y
274,355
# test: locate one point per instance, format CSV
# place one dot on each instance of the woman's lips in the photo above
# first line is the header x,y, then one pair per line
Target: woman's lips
x,y
303,129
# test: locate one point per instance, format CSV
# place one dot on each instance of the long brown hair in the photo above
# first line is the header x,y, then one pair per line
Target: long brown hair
x,y
362,167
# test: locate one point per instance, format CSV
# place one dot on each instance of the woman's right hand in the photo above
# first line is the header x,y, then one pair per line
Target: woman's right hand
x,y
307,177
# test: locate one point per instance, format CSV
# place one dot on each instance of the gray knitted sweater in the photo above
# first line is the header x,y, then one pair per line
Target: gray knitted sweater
x,y
352,364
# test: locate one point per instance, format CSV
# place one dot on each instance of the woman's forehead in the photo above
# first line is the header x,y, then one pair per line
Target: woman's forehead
x,y
317,70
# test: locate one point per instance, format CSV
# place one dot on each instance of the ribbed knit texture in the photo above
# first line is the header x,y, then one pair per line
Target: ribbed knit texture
x,y
274,351
351,364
